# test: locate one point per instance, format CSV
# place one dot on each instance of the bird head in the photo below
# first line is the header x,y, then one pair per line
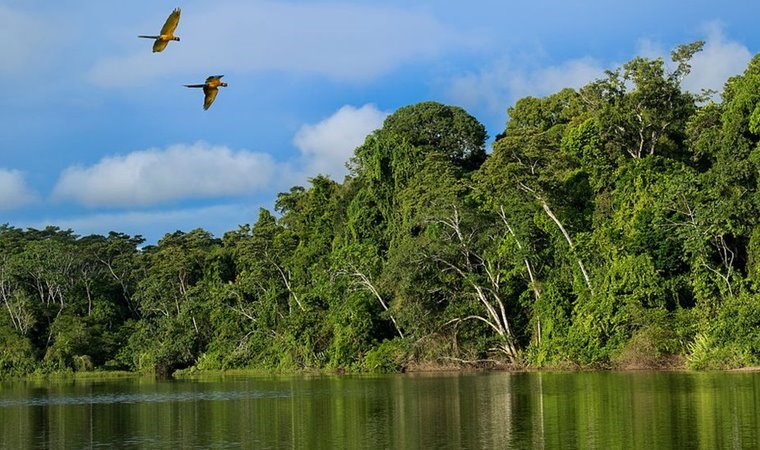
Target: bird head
x,y
223,84
176,38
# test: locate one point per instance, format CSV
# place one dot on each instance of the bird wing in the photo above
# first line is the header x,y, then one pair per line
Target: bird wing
x,y
159,45
195,85
210,96
216,78
171,22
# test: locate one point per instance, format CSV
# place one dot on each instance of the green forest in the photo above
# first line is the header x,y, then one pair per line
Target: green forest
x,y
611,226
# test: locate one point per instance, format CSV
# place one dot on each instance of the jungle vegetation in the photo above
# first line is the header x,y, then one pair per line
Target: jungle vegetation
x,y
616,225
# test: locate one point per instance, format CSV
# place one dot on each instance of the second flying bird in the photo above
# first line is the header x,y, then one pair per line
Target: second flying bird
x,y
210,89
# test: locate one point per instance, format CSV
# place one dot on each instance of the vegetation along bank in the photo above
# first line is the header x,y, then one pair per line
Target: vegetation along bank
x,y
617,225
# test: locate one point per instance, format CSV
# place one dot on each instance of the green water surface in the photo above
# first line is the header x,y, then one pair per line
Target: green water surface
x,y
604,410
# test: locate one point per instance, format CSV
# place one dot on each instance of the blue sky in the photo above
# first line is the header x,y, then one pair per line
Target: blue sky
x,y
99,134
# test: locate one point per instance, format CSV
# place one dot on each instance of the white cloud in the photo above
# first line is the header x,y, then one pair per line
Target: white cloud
x,y
338,40
570,74
502,84
22,38
13,190
155,176
327,145
200,170
719,60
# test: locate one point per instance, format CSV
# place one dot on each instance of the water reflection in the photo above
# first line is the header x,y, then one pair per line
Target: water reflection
x,y
457,411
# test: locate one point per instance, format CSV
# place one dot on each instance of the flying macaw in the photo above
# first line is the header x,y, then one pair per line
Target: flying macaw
x,y
167,32
210,89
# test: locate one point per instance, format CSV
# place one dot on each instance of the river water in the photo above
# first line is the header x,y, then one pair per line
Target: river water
x,y
588,410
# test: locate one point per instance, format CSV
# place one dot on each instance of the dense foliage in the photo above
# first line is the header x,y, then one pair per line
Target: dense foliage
x,y
614,225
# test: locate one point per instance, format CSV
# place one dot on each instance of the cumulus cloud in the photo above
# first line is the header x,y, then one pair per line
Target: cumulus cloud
x,y
570,74
720,59
155,176
13,190
502,84
22,38
361,41
196,171
326,146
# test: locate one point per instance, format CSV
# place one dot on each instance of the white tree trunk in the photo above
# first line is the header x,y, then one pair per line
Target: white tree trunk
x,y
569,241
533,283
366,282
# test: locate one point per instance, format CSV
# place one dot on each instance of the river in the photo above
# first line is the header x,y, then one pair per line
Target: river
x,y
587,410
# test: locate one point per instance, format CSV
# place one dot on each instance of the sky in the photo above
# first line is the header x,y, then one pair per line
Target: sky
x,y
98,134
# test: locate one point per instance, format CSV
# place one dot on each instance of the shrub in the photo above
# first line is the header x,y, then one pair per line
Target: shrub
x,y
388,357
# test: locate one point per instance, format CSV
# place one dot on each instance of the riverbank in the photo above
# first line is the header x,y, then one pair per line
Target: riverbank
x,y
664,365
746,369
